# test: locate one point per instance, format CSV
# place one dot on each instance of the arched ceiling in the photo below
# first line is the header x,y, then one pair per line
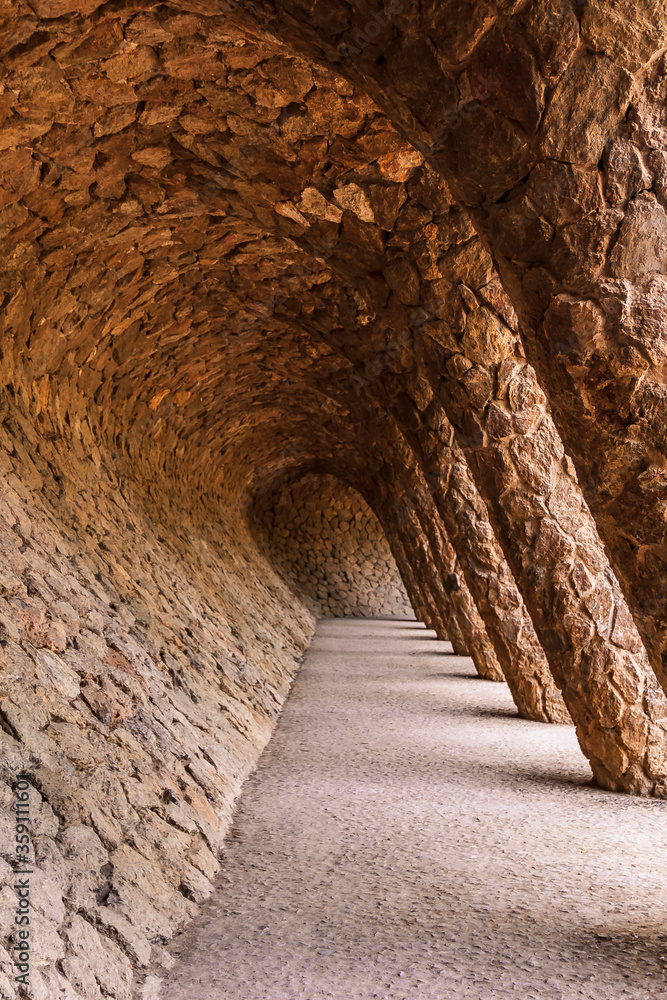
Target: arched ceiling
x,y
208,242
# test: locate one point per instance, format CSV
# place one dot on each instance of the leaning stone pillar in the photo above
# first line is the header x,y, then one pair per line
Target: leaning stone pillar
x,y
444,620
549,539
436,562
455,588
579,235
490,581
420,603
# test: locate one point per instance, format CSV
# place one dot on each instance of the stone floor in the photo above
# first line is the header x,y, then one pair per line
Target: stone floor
x,y
407,836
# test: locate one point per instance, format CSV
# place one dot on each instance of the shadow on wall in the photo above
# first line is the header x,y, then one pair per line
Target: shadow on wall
x,y
325,541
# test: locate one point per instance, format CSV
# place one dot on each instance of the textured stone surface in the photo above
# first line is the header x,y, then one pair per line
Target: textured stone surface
x,y
561,160
461,853
144,656
325,539
464,515
432,558
237,244
180,253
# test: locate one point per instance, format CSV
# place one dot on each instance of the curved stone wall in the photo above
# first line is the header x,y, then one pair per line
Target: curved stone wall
x,y
325,540
145,652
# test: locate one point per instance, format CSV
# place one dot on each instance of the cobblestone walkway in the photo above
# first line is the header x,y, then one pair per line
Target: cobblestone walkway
x,y
407,836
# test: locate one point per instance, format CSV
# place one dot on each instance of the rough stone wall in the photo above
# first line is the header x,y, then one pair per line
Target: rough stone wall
x,y
143,661
326,540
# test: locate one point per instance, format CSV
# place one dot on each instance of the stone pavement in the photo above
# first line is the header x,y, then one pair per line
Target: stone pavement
x,y
407,836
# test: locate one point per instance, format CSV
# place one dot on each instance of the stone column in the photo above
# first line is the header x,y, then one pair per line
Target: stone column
x,y
492,586
418,598
456,635
550,542
435,560
580,237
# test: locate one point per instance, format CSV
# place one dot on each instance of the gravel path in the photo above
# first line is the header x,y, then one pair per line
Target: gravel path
x,y
407,836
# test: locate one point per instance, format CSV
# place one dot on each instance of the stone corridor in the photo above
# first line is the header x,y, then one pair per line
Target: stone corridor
x,y
406,836
314,311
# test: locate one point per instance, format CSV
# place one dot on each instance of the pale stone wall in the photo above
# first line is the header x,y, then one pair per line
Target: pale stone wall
x,y
143,661
326,541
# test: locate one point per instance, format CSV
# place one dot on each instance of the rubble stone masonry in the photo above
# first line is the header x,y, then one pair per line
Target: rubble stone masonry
x,y
145,652
323,537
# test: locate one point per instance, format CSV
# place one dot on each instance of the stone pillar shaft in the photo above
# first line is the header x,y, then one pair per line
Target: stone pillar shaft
x,y
492,586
